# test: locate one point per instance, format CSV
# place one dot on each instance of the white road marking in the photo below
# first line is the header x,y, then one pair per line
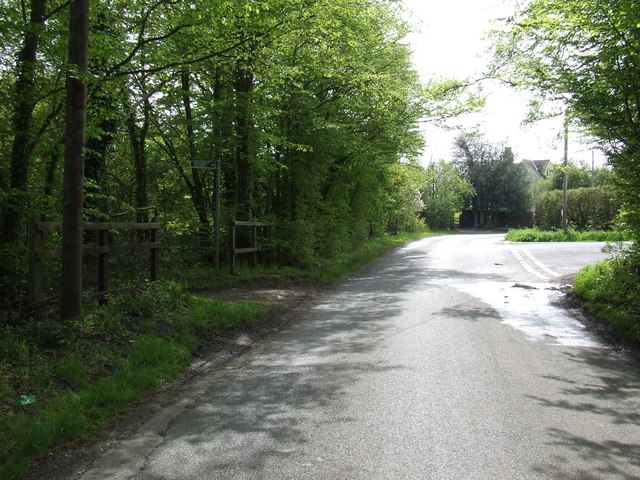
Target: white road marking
x,y
538,263
528,265
532,264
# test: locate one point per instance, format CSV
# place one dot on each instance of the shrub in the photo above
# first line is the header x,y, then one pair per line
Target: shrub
x,y
612,291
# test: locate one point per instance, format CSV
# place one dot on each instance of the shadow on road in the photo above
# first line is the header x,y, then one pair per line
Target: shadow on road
x,y
292,387
612,393
605,459
260,411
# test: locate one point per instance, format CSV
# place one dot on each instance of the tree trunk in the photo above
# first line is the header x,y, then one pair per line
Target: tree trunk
x,y
199,198
223,93
476,213
50,176
75,124
22,119
244,173
138,141
102,118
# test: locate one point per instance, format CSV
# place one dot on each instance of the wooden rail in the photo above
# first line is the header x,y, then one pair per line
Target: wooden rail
x,y
103,250
254,248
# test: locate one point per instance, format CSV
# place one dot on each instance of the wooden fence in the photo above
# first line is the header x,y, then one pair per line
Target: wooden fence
x,y
254,248
103,250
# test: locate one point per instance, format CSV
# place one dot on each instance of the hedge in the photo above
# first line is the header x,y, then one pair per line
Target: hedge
x,y
587,208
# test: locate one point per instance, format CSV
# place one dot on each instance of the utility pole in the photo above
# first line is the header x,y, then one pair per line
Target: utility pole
x,y
565,180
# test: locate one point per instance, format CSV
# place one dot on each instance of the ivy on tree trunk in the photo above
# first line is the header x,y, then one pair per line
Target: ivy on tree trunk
x,y
22,120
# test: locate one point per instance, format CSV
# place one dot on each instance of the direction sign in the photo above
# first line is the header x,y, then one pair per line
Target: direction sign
x,y
206,164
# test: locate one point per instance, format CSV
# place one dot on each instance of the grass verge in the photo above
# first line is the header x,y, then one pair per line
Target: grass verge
x,y
62,383
568,235
611,292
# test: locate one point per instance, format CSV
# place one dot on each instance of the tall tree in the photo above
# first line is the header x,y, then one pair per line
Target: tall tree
x,y
138,140
312,107
71,281
586,53
22,122
343,111
500,184
444,192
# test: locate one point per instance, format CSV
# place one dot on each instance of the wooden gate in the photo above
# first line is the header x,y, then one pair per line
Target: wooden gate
x,y
254,248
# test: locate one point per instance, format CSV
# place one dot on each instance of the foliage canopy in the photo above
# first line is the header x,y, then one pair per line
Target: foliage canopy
x,y
311,106
445,193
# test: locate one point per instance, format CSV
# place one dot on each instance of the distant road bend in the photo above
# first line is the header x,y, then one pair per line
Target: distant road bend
x,y
447,359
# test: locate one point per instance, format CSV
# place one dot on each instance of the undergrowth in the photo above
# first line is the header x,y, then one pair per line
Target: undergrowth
x,y
61,383
200,275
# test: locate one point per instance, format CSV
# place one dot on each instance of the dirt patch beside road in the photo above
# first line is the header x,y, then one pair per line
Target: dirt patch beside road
x,y
280,290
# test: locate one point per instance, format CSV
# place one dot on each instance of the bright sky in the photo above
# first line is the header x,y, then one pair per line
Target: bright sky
x,y
449,41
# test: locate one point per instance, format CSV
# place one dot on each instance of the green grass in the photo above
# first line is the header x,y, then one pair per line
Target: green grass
x,y
611,292
86,372
568,235
74,415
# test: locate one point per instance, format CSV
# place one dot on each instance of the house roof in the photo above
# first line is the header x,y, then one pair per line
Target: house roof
x,y
538,166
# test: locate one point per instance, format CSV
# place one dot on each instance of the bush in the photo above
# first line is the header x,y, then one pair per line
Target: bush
x,y
439,215
612,291
293,243
587,209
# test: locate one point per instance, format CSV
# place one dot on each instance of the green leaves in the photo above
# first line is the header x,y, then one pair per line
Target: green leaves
x,y
312,106
499,183
444,192
586,53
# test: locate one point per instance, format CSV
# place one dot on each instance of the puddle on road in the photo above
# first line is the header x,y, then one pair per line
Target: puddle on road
x,y
527,308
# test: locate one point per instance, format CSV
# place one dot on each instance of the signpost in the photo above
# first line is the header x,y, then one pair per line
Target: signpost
x,y
213,165
203,164
217,215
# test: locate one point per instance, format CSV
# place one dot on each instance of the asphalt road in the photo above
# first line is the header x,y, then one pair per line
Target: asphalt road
x,y
447,359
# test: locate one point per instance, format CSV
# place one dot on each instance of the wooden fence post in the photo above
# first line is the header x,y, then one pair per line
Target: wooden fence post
x,y
253,247
37,252
35,262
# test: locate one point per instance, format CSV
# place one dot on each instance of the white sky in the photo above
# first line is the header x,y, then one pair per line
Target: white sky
x,y
449,41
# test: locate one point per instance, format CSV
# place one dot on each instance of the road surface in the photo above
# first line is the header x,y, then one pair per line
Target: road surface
x,y
447,359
